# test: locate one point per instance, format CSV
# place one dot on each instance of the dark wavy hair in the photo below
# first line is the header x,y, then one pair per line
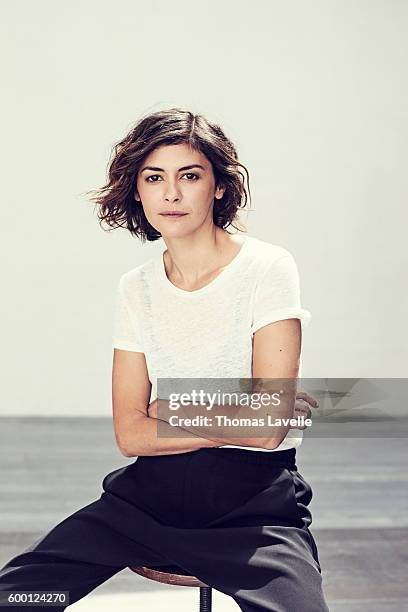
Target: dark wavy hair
x,y
115,200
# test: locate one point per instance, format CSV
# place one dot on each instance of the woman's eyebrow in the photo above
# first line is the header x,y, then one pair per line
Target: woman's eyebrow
x,y
182,168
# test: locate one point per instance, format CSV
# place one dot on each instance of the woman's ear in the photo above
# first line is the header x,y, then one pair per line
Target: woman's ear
x,y
219,192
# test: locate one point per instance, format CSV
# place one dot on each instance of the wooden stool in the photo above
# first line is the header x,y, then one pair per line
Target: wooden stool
x,y
171,574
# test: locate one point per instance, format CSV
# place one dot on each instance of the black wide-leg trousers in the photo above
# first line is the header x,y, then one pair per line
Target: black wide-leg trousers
x,y
237,519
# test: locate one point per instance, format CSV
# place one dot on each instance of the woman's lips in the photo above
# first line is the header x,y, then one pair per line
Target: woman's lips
x,y
173,215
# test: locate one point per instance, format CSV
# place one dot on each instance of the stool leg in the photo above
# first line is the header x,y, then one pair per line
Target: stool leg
x,y
205,599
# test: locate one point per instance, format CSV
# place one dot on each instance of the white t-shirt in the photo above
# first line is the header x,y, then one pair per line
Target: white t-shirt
x,y
207,333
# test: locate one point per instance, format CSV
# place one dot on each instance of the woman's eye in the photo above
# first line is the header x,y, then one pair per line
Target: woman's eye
x,y
156,176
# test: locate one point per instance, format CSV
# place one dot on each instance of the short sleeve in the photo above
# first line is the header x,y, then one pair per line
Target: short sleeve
x,y
126,335
277,295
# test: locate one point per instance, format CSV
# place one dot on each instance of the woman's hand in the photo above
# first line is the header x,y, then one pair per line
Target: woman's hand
x,y
152,409
303,406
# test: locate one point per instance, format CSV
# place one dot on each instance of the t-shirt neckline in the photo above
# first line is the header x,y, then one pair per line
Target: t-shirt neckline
x,y
209,286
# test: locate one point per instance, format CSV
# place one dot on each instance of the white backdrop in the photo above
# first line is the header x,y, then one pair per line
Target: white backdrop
x,y
314,94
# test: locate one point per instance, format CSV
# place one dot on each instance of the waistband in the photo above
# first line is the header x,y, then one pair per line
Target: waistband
x,y
284,458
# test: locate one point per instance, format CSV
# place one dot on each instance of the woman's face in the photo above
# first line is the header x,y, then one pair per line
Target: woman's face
x,y
177,178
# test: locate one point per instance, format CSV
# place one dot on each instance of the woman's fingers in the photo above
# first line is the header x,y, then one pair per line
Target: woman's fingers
x,y
303,395
302,408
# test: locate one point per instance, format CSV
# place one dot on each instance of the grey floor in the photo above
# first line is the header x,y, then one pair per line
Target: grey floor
x,y
50,467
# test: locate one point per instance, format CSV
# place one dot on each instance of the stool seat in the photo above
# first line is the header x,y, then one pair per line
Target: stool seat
x,y
168,574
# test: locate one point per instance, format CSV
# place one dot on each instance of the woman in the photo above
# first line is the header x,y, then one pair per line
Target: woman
x,y
214,306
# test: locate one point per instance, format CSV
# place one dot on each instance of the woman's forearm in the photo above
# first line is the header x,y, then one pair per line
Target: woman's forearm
x,y
144,440
268,435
